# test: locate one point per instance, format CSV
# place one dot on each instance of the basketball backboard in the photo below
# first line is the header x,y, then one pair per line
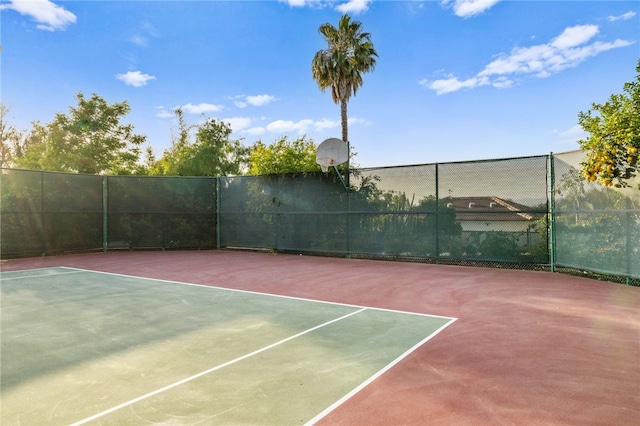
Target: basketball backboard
x,y
331,152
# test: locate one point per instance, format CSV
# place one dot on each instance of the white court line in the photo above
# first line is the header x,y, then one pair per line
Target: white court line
x,y
362,385
36,276
322,414
260,293
195,376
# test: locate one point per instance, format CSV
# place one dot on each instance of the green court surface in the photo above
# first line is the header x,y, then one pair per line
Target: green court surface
x,y
83,347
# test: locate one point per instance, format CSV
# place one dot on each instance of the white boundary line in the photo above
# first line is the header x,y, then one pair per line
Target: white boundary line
x,y
202,373
261,294
44,268
362,385
319,416
37,276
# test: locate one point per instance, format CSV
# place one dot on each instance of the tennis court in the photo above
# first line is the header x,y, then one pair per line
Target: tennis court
x,y
81,346
227,337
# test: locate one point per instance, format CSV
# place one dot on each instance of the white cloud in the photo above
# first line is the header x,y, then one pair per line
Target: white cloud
x,y
139,40
135,78
325,123
259,100
200,108
164,114
255,131
243,101
502,83
238,123
468,8
305,125
50,16
286,126
295,3
310,3
350,6
241,125
452,84
622,17
567,50
354,6
574,36
356,120
141,37
571,135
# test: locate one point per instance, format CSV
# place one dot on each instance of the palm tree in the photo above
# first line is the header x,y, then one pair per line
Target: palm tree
x,y
349,54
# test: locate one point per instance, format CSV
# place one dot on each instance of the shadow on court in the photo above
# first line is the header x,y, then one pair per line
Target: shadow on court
x,y
83,347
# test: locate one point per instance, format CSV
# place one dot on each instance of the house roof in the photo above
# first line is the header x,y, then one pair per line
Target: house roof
x,y
489,209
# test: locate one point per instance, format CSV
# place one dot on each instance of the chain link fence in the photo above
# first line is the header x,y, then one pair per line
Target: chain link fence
x,y
46,213
49,213
161,212
596,228
532,212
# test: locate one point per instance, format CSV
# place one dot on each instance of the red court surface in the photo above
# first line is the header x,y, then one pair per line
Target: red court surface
x,y
528,348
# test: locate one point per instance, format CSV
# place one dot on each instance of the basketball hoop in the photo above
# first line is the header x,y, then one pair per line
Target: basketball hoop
x,y
331,152
325,163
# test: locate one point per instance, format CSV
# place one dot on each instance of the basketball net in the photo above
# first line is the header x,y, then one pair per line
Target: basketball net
x,y
325,163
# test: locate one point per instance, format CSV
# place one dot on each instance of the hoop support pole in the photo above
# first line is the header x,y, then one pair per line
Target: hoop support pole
x,y
346,188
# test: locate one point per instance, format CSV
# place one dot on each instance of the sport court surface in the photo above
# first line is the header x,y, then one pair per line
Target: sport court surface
x,y
81,346
527,348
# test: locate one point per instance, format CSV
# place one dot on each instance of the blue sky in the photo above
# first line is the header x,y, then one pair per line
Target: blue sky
x,y
455,80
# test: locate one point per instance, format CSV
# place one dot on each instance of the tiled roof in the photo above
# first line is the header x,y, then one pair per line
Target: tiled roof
x,y
489,209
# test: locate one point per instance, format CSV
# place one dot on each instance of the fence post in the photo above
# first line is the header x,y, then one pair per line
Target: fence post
x,y
628,237
163,212
349,214
44,243
437,218
105,213
552,214
217,209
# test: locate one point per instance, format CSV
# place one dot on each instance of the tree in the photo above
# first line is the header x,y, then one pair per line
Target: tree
x,y
31,151
283,156
349,54
614,141
598,228
172,158
211,153
10,138
89,139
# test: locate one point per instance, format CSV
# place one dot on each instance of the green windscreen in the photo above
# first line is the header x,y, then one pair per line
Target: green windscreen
x,y
597,227
161,212
284,212
476,211
520,212
45,212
